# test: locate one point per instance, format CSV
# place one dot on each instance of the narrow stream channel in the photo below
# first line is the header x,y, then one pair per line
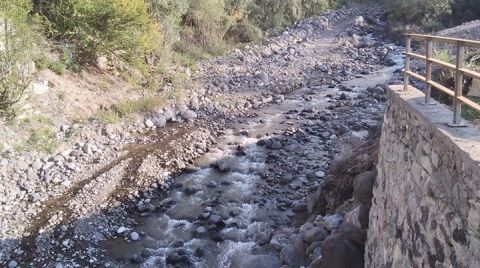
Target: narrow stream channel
x,y
211,216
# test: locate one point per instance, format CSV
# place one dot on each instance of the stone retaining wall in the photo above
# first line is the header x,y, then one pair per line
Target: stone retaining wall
x,y
426,206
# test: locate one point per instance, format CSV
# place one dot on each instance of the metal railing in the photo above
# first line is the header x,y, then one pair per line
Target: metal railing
x,y
459,68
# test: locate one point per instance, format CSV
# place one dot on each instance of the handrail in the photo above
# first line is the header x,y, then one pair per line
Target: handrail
x,y
443,39
459,68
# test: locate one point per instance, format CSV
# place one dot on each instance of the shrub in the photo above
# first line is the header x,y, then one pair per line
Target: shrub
x,y
127,108
205,23
243,32
41,136
99,27
17,39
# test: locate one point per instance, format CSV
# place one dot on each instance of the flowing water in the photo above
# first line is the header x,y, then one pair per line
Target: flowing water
x,y
185,227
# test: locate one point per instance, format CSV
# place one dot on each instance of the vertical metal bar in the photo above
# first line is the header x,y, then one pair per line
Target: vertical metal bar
x,y
428,70
406,78
457,105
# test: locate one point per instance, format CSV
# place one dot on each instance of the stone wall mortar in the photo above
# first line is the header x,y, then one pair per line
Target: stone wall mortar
x,y
426,206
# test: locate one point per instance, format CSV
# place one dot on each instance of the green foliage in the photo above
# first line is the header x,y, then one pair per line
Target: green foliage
x,y
99,27
40,135
17,39
40,139
470,113
427,13
42,62
205,23
125,109
277,13
465,10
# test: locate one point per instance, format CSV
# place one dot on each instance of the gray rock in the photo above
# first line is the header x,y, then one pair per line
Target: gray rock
x,y
286,179
275,244
102,62
121,230
169,114
159,120
201,230
190,190
278,98
333,221
215,219
339,253
167,201
222,166
363,187
276,145
89,148
189,115
257,261
299,207
57,158
316,233
211,184
32,175
12,264
36,165
313,247
134,236
149,123
35,197
363,216
293,257
76,153
354,234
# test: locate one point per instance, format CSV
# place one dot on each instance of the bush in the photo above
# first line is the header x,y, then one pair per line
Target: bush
x,y
205,23
243,32
99,27
17,39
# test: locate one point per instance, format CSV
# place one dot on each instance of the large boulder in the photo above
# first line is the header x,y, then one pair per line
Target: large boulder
x,y
293,256
189,115
316,233
159,120
338,252
257,261
363,187
243,33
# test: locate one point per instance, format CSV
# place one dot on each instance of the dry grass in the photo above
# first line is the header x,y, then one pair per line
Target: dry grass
x,y
338,187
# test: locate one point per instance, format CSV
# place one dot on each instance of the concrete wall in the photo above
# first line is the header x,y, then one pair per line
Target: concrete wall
x,y
426,206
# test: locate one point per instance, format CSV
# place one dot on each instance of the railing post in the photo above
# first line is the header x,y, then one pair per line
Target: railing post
x,y
457,104
428,70
406,81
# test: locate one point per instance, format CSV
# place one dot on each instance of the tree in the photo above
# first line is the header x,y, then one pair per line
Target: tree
x,y
465,10
17,42
431,14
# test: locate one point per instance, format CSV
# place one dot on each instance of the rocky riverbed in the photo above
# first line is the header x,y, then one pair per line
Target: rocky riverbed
x,y
219,180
